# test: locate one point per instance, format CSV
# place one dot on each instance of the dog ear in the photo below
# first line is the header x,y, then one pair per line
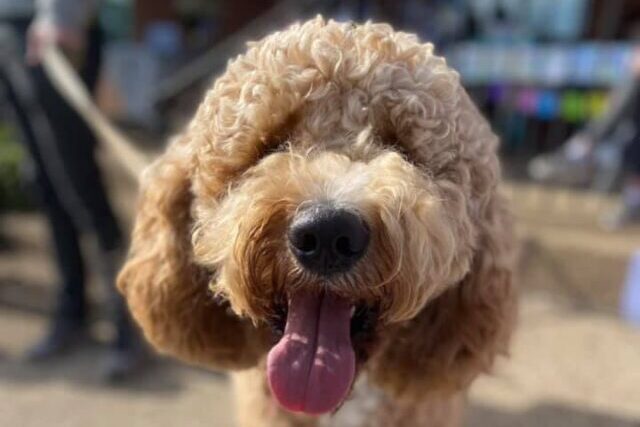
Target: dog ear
x,y
166,292
459,334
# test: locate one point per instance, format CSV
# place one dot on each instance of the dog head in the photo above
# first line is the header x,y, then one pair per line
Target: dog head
x,y
338,186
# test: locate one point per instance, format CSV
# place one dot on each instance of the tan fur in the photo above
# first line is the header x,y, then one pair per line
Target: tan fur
x,y
364,117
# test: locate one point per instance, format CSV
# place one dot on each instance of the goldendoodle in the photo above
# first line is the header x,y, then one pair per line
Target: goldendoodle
x,y
328,227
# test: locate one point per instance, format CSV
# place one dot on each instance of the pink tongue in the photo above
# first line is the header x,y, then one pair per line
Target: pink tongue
x,y
312,367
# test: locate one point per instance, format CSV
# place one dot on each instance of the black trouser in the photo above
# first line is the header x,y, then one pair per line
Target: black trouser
x,y
64,170
632,155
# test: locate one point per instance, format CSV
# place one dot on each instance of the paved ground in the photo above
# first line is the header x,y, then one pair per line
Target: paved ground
x,y
573,363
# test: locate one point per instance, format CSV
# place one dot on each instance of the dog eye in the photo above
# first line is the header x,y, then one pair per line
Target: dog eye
x,y
277,147
387,138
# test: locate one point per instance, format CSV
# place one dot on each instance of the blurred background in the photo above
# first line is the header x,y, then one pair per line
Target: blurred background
x,y
558,79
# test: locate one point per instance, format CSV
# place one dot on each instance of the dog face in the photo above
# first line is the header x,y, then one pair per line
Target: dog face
x,y
372,229
355,233
338,185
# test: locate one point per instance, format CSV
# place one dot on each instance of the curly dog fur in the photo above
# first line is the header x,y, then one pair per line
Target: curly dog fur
x,y
364,117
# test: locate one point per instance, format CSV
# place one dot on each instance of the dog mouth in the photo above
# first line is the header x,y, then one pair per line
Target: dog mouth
x,y
312,367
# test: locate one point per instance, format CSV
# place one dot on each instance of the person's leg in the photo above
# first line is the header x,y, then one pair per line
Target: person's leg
x,y
84,192
75,197
68,321
71,300
110,240
89,205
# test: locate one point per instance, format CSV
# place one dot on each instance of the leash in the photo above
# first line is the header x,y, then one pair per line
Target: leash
x,y
67,82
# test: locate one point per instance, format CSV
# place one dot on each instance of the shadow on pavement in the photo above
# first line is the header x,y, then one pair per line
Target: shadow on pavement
x,y
549,414
82,367
29,297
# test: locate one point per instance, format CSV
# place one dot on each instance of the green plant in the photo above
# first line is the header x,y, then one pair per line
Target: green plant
x,y
12,194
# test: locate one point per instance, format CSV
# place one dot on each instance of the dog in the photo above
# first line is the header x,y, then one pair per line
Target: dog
x,y
329,229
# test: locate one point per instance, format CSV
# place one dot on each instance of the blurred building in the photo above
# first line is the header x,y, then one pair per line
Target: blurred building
x,y
539,68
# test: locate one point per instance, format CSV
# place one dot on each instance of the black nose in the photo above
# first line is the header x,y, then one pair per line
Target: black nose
x,y
328,240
